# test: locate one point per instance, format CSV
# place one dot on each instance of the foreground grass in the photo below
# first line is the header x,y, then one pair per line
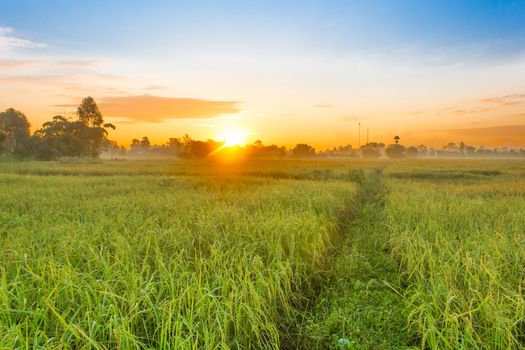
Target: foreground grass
x,y
160,262
462,247
262,254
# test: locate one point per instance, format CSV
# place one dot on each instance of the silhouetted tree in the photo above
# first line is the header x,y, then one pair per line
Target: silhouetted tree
x,y
371,150
63,137
411,152
14,132
85,136
174,142
145,144
135,145
396,139
96,133
259,150
395,151
303,150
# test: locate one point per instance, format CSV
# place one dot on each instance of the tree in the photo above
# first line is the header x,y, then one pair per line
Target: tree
x,y
96,133
89,114
371,150
411,152
62,137
200,149
396,139
174,142
14,132
303,150
145,144
85,136
395,151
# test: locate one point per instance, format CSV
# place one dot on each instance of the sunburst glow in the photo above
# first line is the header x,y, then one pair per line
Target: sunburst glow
x,y
233,137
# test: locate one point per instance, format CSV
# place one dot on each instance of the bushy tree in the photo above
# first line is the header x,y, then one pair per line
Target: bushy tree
x,y
14,132
395,151
85,136
303,150
258,150
372,150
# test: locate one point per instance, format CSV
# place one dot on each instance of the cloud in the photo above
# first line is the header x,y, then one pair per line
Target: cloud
x,y
471,110
9,41
154,87
322,106
13,64
66,105
80,63
507,100
153,109
509,131
72,81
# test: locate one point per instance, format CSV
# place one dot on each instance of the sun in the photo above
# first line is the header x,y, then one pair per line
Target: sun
x,y
233,137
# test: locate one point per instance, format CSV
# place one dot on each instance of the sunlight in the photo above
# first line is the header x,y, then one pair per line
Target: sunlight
x,y
233,137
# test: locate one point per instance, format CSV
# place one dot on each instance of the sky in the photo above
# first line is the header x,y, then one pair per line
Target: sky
x,y
284,72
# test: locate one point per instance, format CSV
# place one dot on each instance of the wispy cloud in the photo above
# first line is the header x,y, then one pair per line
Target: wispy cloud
x,y
8,41
322,106
478,106
154,87
149,108
13,64
80,63
507,100
492,131
462,111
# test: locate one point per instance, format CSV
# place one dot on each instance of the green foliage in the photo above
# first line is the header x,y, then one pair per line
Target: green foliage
x,y
303,150
89,114
192,254
462,249
63,137
127,261
395,151
14,132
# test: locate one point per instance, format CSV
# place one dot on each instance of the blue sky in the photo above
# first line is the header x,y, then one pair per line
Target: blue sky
x,y
377,62
121,27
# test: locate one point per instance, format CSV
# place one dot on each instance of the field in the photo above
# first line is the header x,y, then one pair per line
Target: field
x,y
343,254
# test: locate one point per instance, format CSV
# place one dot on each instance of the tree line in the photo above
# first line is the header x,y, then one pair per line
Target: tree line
x,y
86,135
186,147
83,136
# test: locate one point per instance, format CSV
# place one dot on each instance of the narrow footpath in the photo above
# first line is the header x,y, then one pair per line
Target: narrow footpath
x,y
360,306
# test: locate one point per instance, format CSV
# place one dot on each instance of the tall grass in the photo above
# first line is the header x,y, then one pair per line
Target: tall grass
x,y
462,247
135,262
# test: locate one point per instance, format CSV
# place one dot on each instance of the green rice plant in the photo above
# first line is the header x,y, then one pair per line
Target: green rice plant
x,y
158,261
461,246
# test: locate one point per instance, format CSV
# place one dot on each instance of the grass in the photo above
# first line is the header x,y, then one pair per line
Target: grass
x,y
461,246
159,261
262,254
360,307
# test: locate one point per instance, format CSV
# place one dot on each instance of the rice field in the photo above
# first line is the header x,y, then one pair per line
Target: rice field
x,y
266,254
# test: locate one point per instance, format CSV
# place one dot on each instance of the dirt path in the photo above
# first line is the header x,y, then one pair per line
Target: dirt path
x,y
361,305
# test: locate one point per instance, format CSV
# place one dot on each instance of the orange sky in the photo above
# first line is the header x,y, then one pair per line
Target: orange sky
x,y
281,73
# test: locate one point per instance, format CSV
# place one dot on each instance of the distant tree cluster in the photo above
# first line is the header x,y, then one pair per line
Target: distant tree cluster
x,y
85,136
186,147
